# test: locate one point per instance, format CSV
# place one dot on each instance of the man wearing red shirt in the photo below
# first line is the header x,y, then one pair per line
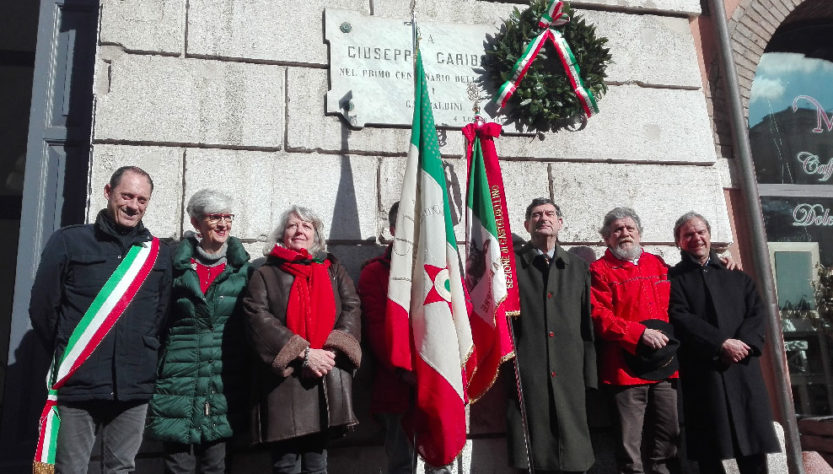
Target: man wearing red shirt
x,y
391,394
628,287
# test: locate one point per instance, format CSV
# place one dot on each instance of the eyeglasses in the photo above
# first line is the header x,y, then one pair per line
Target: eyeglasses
x,y
215,218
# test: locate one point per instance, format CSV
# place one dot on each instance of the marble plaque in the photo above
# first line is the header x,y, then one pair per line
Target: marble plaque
x,y
372,68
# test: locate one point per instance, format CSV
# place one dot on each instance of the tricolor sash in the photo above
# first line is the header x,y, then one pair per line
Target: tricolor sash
x,y
105,310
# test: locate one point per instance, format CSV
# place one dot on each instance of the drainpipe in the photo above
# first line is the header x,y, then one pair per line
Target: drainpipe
x,y
760,251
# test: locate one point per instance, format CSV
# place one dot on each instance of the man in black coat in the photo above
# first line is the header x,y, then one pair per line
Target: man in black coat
x,y
720,322
109,391
555,350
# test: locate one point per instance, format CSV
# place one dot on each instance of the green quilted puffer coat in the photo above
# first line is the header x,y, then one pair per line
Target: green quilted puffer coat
x,y
202,386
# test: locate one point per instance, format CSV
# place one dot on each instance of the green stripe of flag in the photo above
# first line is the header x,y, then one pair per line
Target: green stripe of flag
x,y
424,137
479,200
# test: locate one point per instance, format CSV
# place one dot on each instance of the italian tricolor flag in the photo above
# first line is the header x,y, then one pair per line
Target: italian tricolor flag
x,y
428,317
490,261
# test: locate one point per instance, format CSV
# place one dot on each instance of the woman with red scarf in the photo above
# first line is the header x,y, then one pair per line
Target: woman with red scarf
x,y
303,320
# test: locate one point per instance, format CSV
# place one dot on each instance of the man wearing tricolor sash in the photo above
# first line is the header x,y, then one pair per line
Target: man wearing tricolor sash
x,y
98,304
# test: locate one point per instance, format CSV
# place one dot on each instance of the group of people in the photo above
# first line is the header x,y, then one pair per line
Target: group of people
x,y
643,331
194,346
198,346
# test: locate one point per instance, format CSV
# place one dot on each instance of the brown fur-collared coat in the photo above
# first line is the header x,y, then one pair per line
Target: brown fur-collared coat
x,y
287,405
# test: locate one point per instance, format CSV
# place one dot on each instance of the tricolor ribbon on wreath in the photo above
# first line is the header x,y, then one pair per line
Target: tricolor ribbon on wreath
x,y
105,310
551,18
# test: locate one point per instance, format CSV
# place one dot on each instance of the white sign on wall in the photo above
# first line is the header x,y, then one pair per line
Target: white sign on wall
x,y
372,68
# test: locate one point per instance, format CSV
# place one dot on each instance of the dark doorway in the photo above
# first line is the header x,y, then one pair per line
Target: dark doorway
x,y
18,34
47,57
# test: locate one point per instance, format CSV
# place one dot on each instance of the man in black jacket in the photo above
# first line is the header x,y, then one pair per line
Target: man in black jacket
x,y
719,320
110,389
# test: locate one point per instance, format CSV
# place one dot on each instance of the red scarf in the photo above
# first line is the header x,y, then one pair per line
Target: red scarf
x,y
311,309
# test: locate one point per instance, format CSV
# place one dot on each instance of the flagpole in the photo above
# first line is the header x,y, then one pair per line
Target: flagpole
x,y
520,390
413,55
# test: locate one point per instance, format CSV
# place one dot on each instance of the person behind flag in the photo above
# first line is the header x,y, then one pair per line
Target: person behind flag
x,y
555,350
392,387
303,321
108,393
630,290
391,395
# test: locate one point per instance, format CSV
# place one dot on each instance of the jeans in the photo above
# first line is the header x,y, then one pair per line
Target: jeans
x,y
658,402
303,455
205,458
120,425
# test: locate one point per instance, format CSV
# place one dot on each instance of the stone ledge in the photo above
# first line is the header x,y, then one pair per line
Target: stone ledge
x,y
155,99
151,26
248,177
455,9
264,184
266,30
645,124
658,193
257,31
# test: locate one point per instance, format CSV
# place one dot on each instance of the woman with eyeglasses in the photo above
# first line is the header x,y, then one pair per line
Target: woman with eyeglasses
x,y
303,320
201,395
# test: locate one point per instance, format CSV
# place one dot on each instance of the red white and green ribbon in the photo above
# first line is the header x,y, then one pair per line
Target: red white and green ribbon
x,y
110,303
552,17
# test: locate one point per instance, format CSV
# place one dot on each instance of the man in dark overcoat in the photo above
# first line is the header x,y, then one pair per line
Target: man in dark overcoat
x,y
719,320
554,346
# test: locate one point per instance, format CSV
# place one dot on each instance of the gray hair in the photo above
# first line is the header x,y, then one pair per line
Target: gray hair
x,y
619,213
306,215
208,201
540,202
685,218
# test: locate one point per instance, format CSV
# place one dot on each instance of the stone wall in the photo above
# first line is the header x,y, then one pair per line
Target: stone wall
x,y
231,95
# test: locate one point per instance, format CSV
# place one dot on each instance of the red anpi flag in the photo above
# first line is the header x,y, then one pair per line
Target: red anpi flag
x,y
490,261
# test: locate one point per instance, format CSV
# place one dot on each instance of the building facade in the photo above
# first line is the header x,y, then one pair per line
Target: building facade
x,y
232,95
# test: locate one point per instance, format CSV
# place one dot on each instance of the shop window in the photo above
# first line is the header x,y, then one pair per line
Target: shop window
x,y
791,133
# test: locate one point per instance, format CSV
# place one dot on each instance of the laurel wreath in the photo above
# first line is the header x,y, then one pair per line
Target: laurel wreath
x,y
545,100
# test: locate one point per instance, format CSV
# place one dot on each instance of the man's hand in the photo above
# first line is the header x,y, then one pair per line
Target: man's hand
x,y
319,362
653,339
729,262
734,350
